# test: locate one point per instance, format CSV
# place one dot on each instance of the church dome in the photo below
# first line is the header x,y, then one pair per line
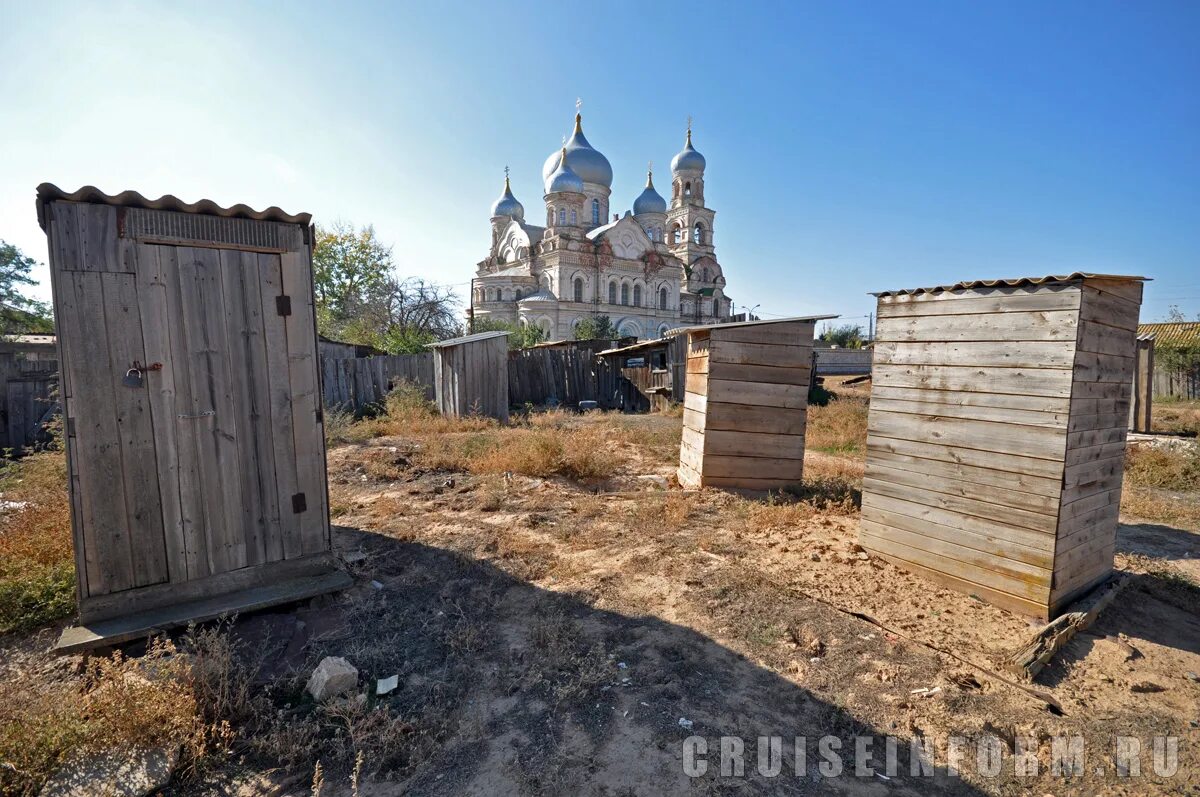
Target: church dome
x,y
649,201
563,178
688,159
584,160
507,204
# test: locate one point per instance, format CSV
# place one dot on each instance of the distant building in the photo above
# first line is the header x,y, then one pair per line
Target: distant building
x,y
648,270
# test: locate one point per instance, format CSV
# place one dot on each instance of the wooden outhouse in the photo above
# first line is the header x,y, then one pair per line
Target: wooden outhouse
x,y
470,375
191,396
996,435
745,404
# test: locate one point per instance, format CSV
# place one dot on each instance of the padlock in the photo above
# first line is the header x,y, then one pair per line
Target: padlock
x,y
133,378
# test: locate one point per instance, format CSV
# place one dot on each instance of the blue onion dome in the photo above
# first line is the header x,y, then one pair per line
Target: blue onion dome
x,y
584,160
688,159
563,178
649,201
507,204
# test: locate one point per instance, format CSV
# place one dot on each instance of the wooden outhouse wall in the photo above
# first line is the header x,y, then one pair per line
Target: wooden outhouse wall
x,y
996,436
745,405
207,475
470,376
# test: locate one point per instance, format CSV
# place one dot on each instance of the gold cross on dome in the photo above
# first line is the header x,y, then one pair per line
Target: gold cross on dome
x,y
578,104
689,123
506,172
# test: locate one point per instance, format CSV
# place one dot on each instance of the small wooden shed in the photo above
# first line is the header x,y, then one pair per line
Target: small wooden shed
x,y
191,395
745,404
996,435
470,375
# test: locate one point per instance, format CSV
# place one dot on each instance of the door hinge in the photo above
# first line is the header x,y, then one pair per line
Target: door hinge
x,y
283,304
299,503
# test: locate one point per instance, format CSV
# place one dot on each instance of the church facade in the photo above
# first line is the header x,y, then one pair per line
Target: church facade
x,y
649,270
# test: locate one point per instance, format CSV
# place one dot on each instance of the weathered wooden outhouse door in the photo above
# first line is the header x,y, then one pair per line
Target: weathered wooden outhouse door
x,y
191,393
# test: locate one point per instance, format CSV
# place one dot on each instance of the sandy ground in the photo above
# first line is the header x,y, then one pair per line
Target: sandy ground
x,y
558,638
685,608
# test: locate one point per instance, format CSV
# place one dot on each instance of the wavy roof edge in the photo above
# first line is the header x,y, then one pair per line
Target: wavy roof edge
x,y
48,192
1018,282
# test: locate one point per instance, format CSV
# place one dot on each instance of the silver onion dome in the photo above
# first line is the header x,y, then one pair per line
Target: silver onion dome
x,y
563,178
688,159
584,160
649,201
507,204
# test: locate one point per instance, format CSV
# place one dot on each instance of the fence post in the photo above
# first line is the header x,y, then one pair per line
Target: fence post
x,y
1143,386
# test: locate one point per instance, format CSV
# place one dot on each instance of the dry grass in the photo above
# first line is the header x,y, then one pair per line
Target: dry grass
x,y
1163,485
1176,416
37,571
839,427
156,700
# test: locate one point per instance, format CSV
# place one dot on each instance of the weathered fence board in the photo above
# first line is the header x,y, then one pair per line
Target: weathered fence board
x,y
356,384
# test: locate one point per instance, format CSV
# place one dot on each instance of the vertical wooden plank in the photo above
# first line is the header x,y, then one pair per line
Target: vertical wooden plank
x,y
279,385
91,414
243,328
213,410
157,331
186,414
308,430
139,466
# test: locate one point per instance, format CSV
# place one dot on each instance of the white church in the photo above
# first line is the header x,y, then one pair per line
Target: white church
x,y
650,270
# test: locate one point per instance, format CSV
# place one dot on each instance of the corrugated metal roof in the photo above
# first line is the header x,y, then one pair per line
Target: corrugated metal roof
x,y
48,192
1011,283
478,336
1172,334
758,322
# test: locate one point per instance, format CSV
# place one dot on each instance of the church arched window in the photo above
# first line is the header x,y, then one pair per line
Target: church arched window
x,y
637,295
662,298
517,295
677,235
562,216
574,218
550,217
625,293
687,189
595,212
612,292
579,289
698,233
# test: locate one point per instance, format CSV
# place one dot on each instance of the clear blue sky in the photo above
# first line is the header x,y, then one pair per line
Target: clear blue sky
x,y
852,146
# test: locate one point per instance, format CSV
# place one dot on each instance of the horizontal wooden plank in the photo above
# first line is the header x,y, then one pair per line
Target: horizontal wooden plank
x,y
747,418
1120,391
1034,325
1090,503
960,549
963,398
694,402
753,485
1052,420
1074,530
1129,290
1097,437
1104,308
1092,367
969,573
1092,471
987,543
939,482
990,354
986,476
1109,420
1024,382
767,374
691,457
791,333
697,365
964,505
758,393
961,303
1081,454
693,437
1099,406
1005,600
724,351
979,526
753,444
752,467
1012,463
1061,598
1103,339
1006,438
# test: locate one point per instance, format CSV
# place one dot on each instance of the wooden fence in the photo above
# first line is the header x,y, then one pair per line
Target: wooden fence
x,y
563,376
1176,384
354,384
29,402
842,362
